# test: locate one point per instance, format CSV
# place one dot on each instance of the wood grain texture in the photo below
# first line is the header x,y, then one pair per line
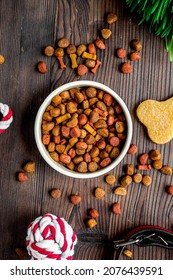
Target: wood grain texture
x,y
26,27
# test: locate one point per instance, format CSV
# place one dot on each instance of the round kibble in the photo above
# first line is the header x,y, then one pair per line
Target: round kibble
x,y
169,190
121,53
167,170
91,223
106,33
55,193
110,179
126,68
94,213
75,199
99,192
49,51
137,178
155,155
111,18
126,181
63,43
92,166
157,164
146,180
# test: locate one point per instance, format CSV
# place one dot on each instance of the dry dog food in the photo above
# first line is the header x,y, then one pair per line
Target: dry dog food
x,y
116,208
169,190
81,129
2,59
127,253
136,45
22,177
158,119
110,179
55,193
75,199
91,223
29,167
94,213
42,68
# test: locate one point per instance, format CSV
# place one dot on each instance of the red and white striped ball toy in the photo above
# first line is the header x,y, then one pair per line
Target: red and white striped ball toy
x,y
50,237
7,117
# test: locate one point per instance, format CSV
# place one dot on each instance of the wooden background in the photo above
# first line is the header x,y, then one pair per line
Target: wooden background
x,y
26,27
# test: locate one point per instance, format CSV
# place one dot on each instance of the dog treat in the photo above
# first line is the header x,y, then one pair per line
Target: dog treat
x,y
110,179
121,53
2,59
146,180
157,116
94,213
99,192
42,68
73,58
106,33
126,68
155,155
167,170
87,55
135,56
120,191
143,158
169,190
94,70
49,51
144,167
129,169
132,149
116,208
63,43
55,193
91,223
75,199
157,164
136,45
127,253
29,167
111,18
137,178
22,177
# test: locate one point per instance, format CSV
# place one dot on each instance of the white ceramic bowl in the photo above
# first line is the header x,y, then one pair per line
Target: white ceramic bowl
x,y
45,154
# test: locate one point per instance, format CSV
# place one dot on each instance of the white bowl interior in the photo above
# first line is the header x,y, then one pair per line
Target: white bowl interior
x,y
38,134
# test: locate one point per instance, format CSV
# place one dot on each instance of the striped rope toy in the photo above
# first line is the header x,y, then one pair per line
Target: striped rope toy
x,y
7,117
50,237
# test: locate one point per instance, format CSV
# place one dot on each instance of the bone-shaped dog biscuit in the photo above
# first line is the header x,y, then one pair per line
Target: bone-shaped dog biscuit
x,y
157,116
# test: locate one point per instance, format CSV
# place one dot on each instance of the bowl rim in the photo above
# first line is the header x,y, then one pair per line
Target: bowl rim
x,y
38,135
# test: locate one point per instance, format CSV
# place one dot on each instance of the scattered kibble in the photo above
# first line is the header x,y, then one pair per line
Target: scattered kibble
x,y
111,18
2,59
127,253
126,181
146,180
135,56
110,179
120,191
132,149
42,67
116,208
91,223
121,53
99,192
55,193
75,199
137,178
136,45
169,189
106,33
155,155
157,164
29,167
22,177
126,68
49,51
94,213
129,169
167,170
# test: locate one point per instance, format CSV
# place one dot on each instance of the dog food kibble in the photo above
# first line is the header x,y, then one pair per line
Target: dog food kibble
x,y
111,18
49,51
2,59
79,129
126,68
143,158
99,44
146,180
75,199
132,149
91,223
110,179
116,208
129,169
22,177
106,33
55,193
42,68
127,253
121,53
99,192
126,181
157,164
135,56
120,191
155,155
137,178
169,190
29,167
94,213
167,170
82,70
63,43
136,45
